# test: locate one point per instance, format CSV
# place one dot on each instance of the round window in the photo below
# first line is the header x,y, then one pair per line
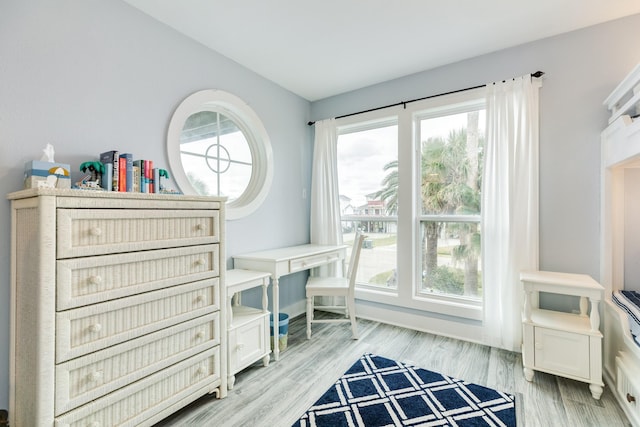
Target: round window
x,y
217,146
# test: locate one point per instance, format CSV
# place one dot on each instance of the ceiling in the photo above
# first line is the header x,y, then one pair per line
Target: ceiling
x,y
321,48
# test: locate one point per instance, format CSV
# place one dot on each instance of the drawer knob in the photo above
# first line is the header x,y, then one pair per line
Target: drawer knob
x,y
240,346
95,280
201,227
630,398
96,327
200,298
201,371
200,261
95,231
95,376
200,335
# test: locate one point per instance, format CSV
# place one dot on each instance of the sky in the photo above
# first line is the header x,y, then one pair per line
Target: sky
x,y
362,155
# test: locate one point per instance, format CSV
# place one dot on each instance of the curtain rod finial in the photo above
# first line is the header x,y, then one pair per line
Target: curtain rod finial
x,y
537,74
310,123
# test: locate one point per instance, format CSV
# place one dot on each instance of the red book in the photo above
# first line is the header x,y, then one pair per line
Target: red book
x,y
122,174
149,171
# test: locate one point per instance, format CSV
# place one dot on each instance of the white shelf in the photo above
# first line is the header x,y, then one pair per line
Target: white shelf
x,y
243,315
562,321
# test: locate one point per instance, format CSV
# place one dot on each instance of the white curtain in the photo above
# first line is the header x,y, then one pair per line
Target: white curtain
x,y
325,199
509,205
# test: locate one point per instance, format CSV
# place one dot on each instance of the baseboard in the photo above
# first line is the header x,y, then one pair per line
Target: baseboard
x,y
437,326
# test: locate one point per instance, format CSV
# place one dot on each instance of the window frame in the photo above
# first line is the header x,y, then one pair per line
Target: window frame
x,y
254,131
407,117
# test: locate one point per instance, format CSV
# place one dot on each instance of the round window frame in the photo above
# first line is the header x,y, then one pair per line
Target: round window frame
x,y
249,123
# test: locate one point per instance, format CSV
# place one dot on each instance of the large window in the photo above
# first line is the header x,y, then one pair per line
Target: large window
x,y
411,178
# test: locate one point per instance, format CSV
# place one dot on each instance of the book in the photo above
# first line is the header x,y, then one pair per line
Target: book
x,y
122,174
128,172
148,172
136,179
140,179
106,181
156,180
112,157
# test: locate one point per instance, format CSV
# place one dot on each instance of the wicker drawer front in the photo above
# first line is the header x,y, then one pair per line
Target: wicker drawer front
x,y
86,378
84,232
135,403
90,280
87,329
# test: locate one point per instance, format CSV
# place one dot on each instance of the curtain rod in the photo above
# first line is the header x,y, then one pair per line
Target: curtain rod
x,y
537,74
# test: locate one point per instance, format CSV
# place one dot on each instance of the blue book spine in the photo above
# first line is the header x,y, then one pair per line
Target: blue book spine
x,y
107,177
140,165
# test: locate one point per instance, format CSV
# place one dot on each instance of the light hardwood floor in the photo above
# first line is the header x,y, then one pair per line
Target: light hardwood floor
x,y
277,395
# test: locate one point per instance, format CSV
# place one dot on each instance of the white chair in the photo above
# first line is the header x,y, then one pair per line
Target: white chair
x,y
336,287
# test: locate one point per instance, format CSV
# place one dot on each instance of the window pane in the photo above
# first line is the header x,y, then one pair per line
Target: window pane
x,y
450,183
451,162
451,258
215,155
368,185
377,266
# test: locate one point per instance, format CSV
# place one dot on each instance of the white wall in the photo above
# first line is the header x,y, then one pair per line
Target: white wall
x,y
582,68
90,76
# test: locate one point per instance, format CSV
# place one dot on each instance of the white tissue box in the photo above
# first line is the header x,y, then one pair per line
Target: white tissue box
x,y
38,173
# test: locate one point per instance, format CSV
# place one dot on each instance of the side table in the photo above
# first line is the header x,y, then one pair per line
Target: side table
x,y
247,327
565,344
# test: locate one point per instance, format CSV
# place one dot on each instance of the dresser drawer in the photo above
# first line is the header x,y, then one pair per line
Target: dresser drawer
x,y
84,232
89,280
306,263
87,329
249,338
135,403
628,387
86,378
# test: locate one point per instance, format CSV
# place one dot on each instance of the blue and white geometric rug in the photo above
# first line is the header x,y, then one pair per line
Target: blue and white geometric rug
x,y
377,391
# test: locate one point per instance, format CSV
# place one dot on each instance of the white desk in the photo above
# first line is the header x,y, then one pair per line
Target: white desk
x,y
282,261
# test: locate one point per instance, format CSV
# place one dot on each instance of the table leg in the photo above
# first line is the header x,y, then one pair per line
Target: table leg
x,y
276,317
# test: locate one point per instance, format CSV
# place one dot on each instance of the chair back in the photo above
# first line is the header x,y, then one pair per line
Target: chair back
x,y
355,258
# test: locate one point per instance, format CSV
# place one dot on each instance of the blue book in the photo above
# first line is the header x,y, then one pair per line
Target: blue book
x,y
107,177
140,165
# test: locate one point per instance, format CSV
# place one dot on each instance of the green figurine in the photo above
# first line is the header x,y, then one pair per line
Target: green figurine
x,y
95,168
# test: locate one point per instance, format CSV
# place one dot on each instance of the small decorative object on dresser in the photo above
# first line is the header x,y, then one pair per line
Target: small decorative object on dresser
x,y
565,344
118,313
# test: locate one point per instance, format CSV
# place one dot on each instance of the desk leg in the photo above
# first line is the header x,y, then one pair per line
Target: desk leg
x,y
276,317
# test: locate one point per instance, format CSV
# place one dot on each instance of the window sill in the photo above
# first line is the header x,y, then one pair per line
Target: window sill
x,y
468,310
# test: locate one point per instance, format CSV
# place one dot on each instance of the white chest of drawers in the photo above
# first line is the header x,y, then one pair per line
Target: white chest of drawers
x,y
118,315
